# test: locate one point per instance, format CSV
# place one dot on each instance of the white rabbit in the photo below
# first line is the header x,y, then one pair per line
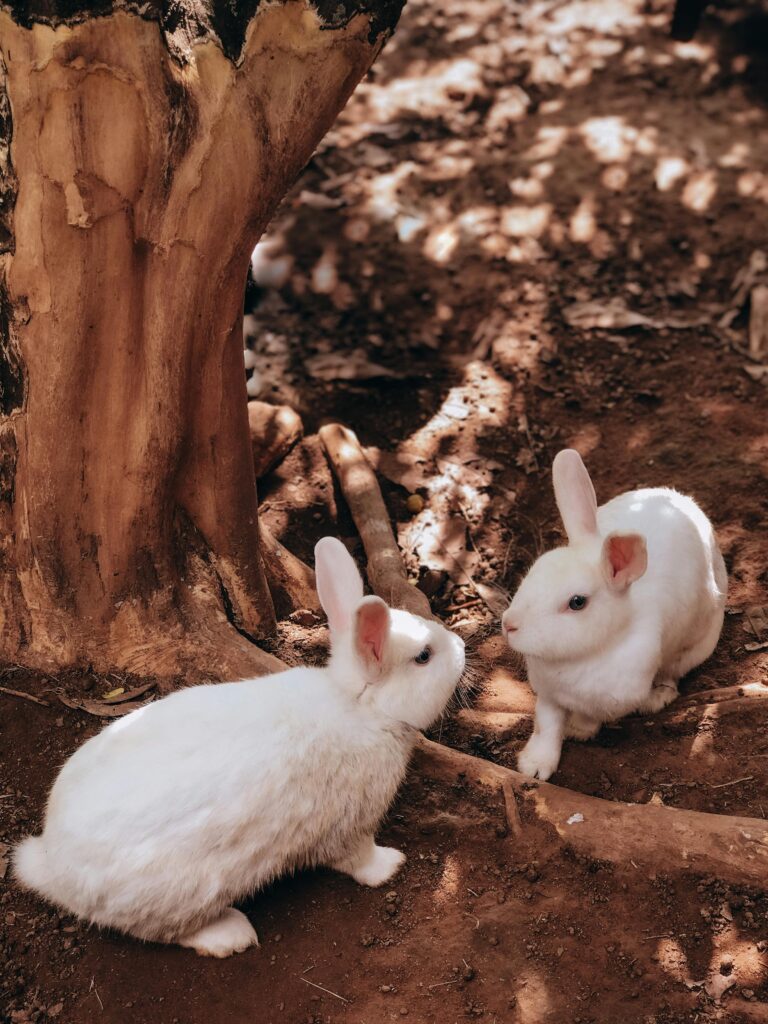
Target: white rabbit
x,y
160,822
610,623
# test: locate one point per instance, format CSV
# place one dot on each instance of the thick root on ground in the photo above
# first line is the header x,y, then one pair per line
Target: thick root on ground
x,y
651,836
386,572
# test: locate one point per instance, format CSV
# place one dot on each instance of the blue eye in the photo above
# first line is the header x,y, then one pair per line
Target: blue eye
x,y
577,602
423,656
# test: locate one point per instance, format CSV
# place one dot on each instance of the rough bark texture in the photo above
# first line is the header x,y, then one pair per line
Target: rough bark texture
x,y
137,175
185,24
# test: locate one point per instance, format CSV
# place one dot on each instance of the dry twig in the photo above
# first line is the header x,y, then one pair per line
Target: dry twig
x,y
24,696
323,989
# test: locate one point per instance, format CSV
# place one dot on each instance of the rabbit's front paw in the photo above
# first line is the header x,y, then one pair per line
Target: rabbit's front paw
x,y
661,695
539,758
581,727
383,865
230,933
370,864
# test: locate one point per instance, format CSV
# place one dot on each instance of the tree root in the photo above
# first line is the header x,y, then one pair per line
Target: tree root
x,y
747,692
274,430
386,572
647,835
291,581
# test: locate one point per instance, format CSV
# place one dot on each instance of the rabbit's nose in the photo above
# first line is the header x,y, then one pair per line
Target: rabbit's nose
x,y
507,623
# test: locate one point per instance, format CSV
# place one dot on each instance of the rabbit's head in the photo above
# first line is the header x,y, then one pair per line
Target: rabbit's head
x,y
573,601
403,665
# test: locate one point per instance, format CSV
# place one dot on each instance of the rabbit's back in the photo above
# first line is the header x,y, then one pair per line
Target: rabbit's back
x,y
209,794
684,586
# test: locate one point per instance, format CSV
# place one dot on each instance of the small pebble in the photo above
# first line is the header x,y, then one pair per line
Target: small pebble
x,y
415,504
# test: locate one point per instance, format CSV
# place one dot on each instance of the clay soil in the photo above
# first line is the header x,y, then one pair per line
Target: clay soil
x,y
425,283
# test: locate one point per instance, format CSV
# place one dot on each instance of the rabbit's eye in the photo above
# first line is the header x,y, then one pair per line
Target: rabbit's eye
x,y
423,656
577,602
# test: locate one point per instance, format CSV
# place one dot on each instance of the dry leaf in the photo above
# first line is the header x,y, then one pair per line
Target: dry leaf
x,y
353,365
4,849
113,693
120,694
100,708
756,624
400,468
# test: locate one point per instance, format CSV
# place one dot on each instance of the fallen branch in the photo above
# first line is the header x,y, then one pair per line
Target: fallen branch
x,y
662,838
386,572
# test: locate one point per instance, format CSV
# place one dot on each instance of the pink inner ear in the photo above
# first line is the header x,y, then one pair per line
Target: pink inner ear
x,y
621,551
626,557
372,629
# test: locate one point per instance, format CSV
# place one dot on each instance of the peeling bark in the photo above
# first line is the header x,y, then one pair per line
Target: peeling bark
x,y
139,180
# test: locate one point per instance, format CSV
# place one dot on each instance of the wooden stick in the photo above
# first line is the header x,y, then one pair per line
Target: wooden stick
x,y
386,572
662,838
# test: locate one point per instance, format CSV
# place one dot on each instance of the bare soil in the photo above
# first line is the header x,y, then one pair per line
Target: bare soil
x,y
502,163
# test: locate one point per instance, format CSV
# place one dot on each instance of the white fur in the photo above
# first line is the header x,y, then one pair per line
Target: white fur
x,y
170,814
627,649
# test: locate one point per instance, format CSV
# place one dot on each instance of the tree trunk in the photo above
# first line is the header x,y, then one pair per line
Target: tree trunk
x,y
143,150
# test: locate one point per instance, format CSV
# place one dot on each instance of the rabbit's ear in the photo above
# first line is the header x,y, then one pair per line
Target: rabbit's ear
x,y
372,631
575,496
339,584
624,560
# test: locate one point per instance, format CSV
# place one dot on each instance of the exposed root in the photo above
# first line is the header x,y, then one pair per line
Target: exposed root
x,y
651,836
748,692
291,582
386,572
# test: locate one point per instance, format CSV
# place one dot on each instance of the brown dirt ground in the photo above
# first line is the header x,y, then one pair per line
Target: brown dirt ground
x,y
502,163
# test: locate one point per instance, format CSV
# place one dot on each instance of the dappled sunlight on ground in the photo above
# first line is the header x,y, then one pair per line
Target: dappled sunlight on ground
x,y
538,225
